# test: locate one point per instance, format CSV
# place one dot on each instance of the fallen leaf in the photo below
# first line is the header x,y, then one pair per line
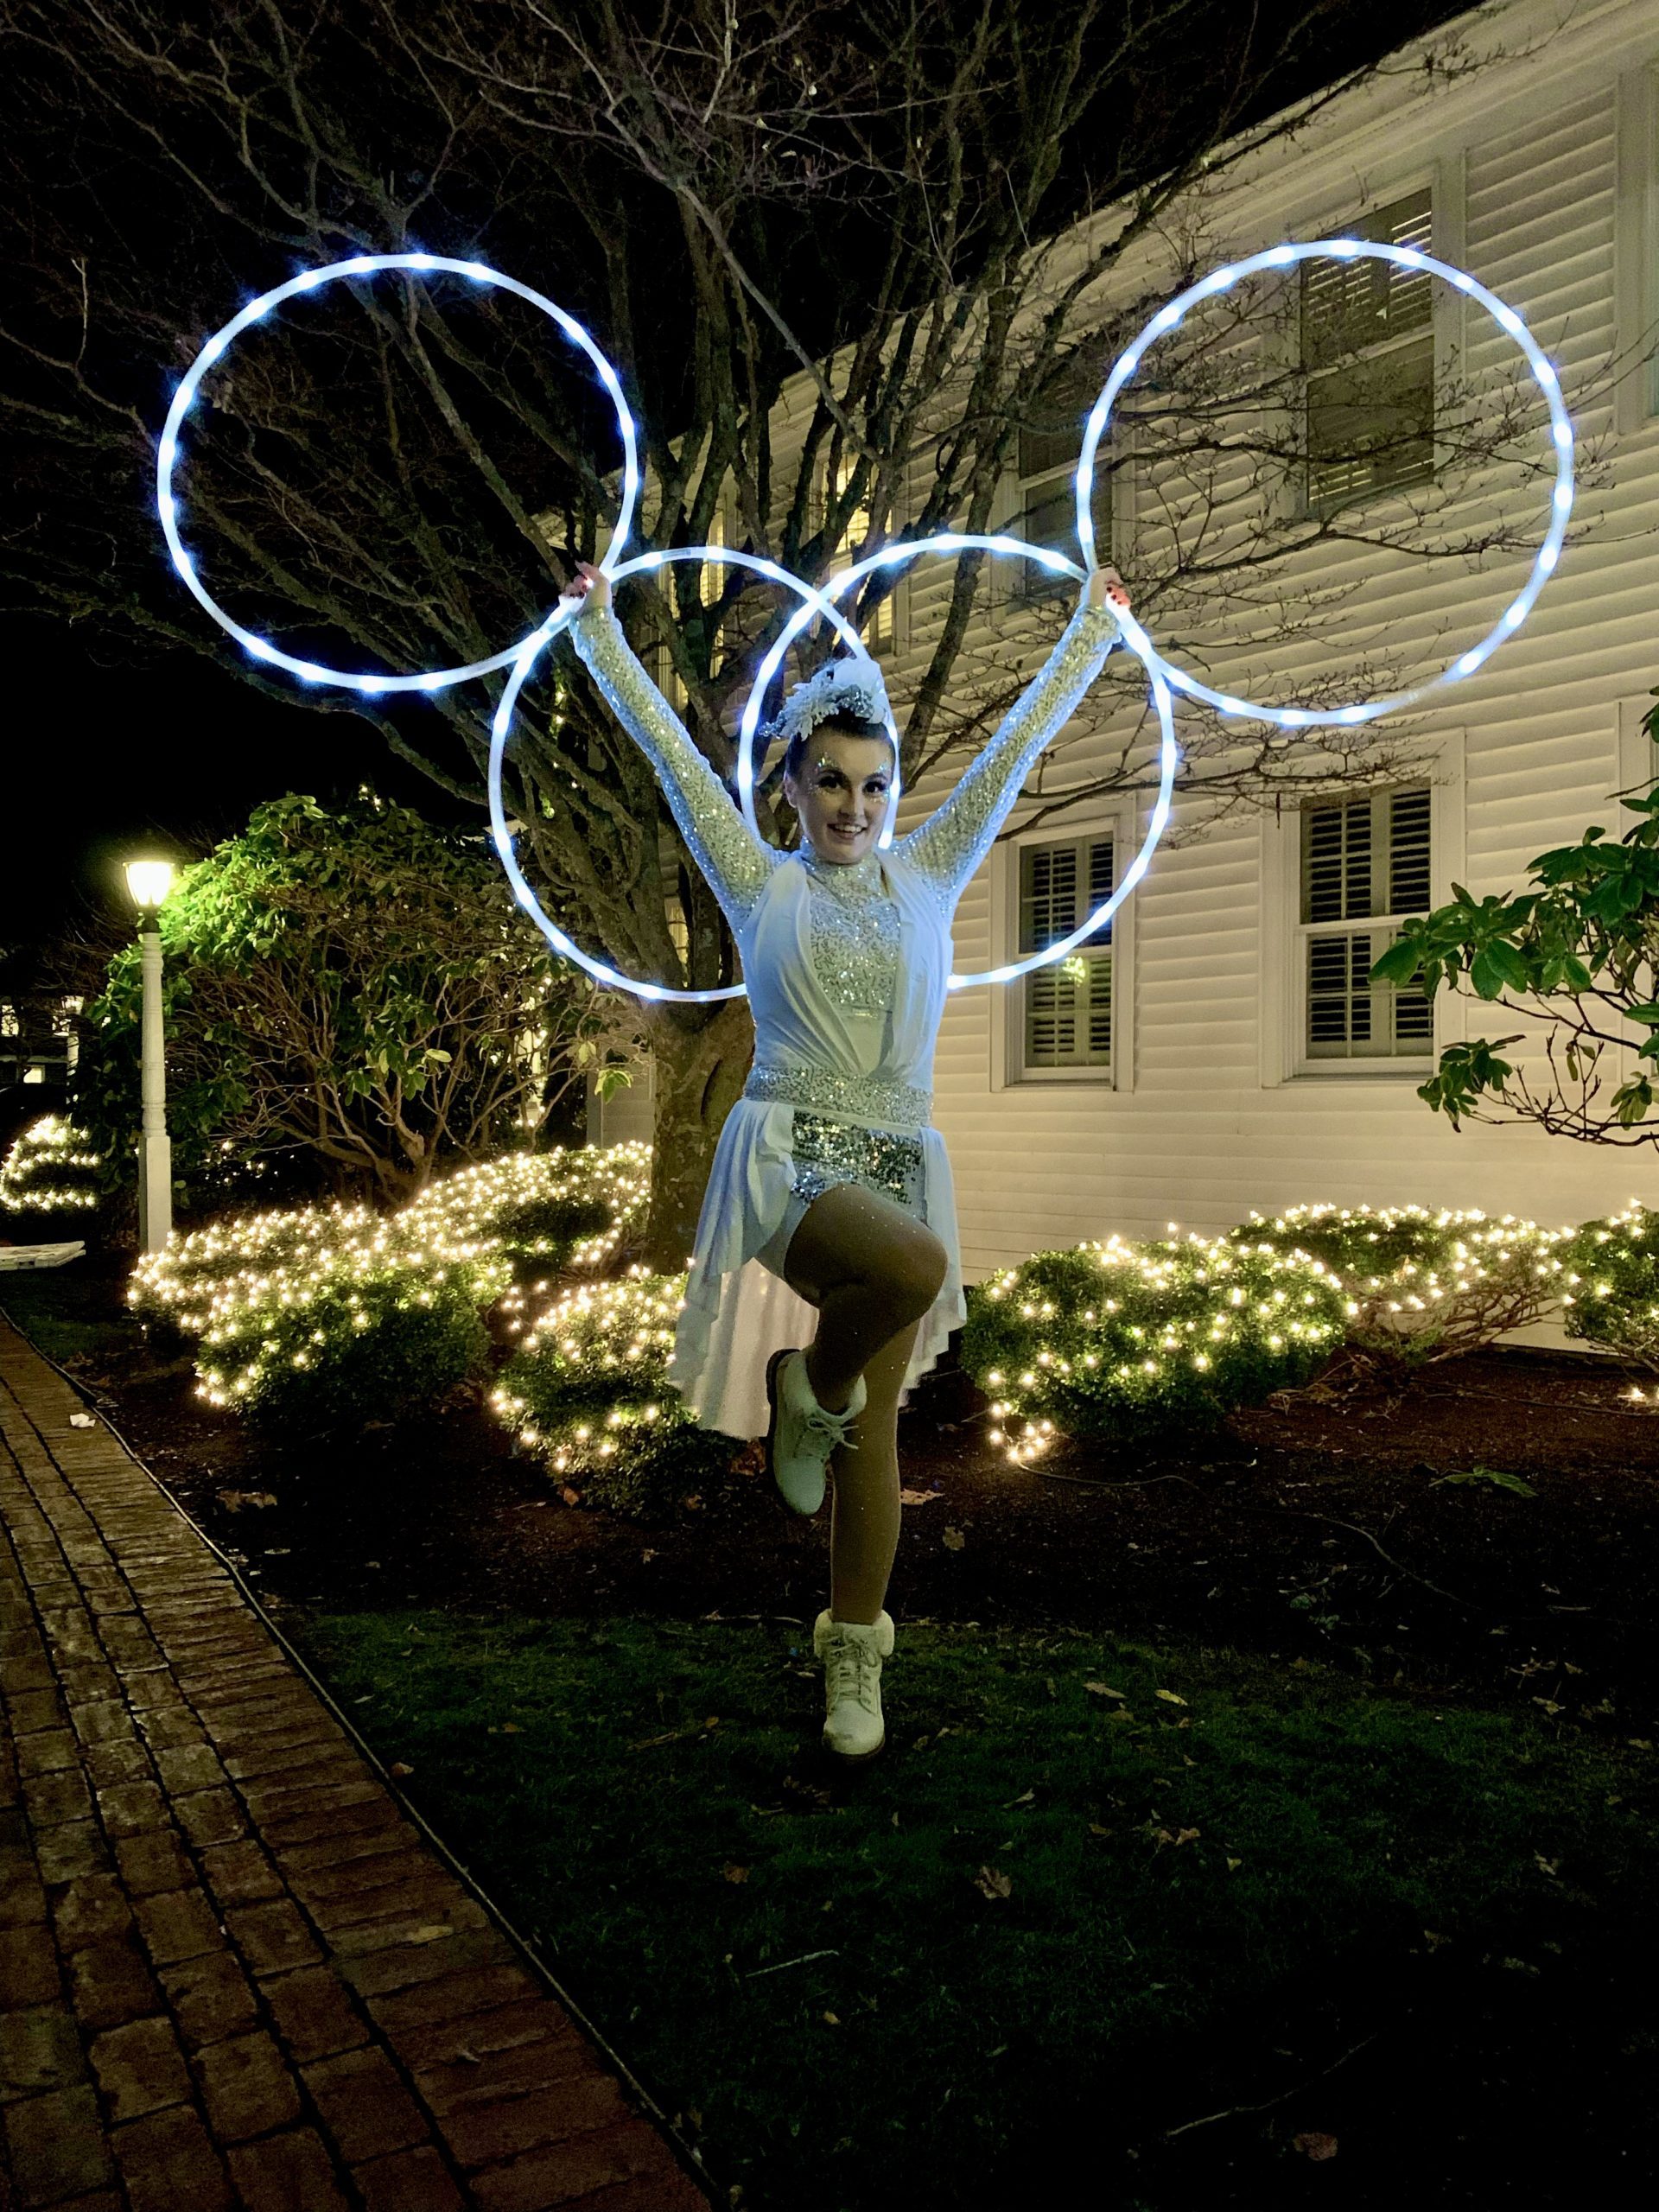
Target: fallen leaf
x,y
919,1497
1095,1828
954,1540
1315,2147
507,1728
398,1769
1231,1863
832,2020
1549,1704
1029,1798
991,1882
735,1873
1169,1697
1518,1966
570,1496
1102,1689
1546,1865
82,1420
234,1500
1433,1938
1177,1836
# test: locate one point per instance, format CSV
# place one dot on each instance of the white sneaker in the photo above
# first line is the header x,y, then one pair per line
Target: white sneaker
x,y
852,1652
802,1433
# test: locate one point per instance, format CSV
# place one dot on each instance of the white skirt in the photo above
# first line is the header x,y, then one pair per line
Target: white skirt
x,y
738,1310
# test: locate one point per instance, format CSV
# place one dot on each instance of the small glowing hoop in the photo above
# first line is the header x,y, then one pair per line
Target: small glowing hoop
x,y
1560,431
1134,636
370,264
528,654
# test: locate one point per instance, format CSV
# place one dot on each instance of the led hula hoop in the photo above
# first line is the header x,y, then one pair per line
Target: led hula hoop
x,y
1561,432
814,603
1134,636
370,264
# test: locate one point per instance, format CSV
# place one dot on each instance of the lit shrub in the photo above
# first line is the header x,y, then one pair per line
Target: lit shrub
x,y
1611,1271
51,1168
292,1304
1126,1341
378,1342
1425,1285
588,1389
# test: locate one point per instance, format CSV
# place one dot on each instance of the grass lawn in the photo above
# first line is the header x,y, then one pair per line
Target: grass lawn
x,y
1058,1921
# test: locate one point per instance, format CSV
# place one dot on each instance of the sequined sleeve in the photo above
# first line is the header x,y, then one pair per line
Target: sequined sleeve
x,y
950,844
736,863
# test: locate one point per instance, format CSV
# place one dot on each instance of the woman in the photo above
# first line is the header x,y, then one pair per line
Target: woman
x,y
831,1190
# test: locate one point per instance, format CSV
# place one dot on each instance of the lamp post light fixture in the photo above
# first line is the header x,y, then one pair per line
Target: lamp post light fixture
x,y
149,881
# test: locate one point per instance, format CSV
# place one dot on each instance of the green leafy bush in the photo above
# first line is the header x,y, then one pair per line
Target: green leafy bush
x,y
1611,1271
589,1390
1423,1285
378,1343
316,1314
1126,1341
52,1168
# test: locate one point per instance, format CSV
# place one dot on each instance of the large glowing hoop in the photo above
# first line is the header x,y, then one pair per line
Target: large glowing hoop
x,y
529,653
370,264
1560,431
1134,636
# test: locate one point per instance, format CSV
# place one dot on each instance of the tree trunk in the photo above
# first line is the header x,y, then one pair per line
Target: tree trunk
x,y
702,1057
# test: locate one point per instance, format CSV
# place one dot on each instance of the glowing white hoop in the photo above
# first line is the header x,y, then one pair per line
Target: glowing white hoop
x,y
1134,636
370,264
500,729
1560,431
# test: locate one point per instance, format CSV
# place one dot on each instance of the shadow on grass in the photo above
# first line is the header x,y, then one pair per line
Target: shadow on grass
x,y
1058,1921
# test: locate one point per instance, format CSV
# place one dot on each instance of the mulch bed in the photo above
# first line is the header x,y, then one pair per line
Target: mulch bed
x,y
1316,1528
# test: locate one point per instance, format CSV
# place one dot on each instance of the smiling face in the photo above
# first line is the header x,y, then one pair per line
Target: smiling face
x,y
841,792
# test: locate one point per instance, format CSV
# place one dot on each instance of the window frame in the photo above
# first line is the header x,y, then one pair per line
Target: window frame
x,y
1008,1069
894,607
1284,1059
1635,248
1441,330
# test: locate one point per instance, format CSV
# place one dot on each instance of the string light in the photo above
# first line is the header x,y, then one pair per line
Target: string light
x,y
246,1288
312,280
52,1167
1561,443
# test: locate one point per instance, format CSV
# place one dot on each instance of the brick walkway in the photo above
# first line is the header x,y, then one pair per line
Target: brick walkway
x,y
232,1972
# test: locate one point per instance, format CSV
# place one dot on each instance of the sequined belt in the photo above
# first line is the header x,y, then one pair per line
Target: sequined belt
x,y
888,1105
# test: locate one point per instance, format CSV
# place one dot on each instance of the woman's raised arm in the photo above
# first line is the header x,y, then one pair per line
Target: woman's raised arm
x,y
736,863
955,838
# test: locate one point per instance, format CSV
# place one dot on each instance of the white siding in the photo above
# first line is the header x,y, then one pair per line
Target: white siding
x,y
1202,1138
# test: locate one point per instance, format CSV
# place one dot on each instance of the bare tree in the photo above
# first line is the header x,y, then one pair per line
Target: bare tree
x,y
844,258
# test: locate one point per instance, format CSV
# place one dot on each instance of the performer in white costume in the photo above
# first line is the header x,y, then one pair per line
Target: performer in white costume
x,y
829,1199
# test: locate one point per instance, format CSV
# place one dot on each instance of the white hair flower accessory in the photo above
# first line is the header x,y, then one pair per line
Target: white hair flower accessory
x,y
850,683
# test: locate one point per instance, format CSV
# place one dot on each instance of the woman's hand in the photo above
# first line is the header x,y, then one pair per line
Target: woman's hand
x,y
1104,585
590,586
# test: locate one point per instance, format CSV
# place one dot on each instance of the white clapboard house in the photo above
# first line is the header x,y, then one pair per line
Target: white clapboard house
x,y
1224,1050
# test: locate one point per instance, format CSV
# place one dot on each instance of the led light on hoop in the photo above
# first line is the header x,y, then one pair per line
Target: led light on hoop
x,y
370,264
1560,438
1135,636
813,602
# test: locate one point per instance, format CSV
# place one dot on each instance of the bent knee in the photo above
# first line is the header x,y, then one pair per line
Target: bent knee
x,y
918,1269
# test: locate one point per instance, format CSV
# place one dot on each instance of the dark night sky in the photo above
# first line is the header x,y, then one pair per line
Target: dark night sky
x,y
101,759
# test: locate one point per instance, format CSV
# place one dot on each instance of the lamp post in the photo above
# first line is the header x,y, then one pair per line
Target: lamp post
x,y
149,881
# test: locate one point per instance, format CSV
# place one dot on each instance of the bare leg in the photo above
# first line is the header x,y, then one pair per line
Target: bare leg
x,y
870,1269
873,1271
864,1502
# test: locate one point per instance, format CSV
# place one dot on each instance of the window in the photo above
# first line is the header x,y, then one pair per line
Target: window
x,y
1363,860
1066,1016
882,628
1046,505
1368,352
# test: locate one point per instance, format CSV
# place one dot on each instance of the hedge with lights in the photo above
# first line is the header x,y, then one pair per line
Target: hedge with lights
x,y
319,1313
53,1167
1129,1341
590,1391
1610,1274
1424,1286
